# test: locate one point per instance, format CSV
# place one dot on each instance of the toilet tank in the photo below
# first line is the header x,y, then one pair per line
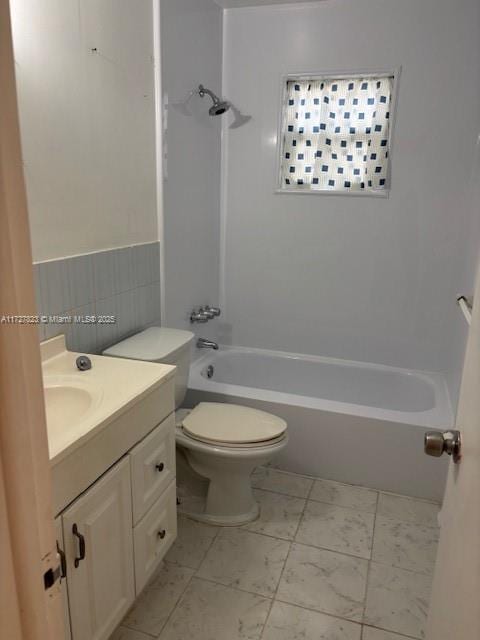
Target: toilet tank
x,y
159,344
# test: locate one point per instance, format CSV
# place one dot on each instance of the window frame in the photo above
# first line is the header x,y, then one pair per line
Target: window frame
x,y
334,75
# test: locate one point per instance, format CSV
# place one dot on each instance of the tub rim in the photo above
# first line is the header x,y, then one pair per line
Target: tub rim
x,y
438,417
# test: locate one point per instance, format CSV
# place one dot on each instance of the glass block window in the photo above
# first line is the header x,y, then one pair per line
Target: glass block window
x,y
336,134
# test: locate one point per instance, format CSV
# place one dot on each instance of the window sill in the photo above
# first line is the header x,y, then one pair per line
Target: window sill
x,y
383,193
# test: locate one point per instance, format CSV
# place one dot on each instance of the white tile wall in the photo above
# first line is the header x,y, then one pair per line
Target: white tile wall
x,y
374,279
191,41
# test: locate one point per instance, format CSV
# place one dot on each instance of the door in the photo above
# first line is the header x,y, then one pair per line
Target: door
x,y
63,579
455,603
97,531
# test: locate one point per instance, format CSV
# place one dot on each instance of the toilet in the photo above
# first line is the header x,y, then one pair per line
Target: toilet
x,y
218,444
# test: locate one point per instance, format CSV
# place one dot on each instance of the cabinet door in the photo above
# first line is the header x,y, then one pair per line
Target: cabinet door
x,y
63,580
97,531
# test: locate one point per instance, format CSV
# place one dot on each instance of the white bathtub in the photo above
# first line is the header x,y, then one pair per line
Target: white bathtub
x,y
353,422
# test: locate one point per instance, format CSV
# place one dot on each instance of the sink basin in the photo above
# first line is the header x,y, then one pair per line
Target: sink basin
x,y
67,402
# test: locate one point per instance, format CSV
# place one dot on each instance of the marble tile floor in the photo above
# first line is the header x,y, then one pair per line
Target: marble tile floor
x,y
325,561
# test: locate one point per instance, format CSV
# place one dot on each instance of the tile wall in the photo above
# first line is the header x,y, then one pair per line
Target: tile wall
x,y
124,283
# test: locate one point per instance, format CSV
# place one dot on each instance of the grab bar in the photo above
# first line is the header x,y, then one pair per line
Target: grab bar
x,y
465,305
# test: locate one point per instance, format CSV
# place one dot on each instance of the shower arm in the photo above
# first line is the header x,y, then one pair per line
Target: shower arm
x,y
202,91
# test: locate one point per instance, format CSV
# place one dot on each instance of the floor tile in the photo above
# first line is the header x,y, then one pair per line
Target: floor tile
x,y
289,484
245,560
337,528
193,541
344,495
405,545
369,633
321,584
287,622
408,509
397,600
156,603
122,633
325,581
210,611
279,514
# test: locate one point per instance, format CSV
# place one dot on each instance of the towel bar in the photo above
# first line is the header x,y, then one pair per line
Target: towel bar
x,y
465,303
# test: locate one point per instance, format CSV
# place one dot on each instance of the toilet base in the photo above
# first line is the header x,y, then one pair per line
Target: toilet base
x,y
214,483
194,507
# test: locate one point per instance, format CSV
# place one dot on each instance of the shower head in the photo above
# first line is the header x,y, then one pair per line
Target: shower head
x,y
219,106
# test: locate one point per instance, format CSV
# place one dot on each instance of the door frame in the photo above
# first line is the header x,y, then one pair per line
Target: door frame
x,y
28,611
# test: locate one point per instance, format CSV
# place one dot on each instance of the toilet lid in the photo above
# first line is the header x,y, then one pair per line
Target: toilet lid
x,y
232,424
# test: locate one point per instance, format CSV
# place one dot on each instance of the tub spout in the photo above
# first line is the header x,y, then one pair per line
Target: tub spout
x,y
203,343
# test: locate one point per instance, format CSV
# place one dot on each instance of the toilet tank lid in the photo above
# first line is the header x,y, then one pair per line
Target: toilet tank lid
x,y
153,344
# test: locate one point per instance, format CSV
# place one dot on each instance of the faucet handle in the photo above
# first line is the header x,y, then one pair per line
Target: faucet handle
x,y
215,311
208,311
198,316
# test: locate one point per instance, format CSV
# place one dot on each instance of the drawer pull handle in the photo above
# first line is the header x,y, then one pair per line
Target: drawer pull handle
x,y
161,534
160,467
81,545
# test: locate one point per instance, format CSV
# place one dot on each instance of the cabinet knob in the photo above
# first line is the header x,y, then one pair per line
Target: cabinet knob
x,y
161,534
160,467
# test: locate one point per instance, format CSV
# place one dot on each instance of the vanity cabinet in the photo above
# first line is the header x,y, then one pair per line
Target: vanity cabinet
x,y
115,534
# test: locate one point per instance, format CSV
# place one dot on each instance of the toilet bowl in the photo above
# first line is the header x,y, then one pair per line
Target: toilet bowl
x,y
213,439
218,444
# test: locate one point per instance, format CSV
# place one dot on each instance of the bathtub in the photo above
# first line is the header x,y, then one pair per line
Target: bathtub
x,y
353,422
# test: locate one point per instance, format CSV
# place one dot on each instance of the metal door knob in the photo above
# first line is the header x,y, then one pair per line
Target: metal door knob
x,y
437,443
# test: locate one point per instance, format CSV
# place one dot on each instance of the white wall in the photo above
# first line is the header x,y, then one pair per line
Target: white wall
x,y
191,38
87,121
469,259
358,278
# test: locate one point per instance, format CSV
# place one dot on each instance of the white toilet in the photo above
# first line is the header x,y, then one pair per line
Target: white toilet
x,y
218,444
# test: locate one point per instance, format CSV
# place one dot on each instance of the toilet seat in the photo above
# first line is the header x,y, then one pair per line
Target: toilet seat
x,y
231,425
228,445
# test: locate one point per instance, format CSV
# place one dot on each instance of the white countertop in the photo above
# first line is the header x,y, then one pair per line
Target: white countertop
x,y
104,392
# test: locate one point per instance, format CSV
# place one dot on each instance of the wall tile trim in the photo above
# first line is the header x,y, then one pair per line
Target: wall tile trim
x,y
122,282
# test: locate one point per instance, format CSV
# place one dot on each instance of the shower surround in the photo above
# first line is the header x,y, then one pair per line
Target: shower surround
x,y
363,279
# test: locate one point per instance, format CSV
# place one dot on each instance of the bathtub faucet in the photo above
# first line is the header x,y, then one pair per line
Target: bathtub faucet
x,y
203,343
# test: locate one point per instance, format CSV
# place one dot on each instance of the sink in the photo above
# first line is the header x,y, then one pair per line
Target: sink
x,y
68,401
95,416
92,406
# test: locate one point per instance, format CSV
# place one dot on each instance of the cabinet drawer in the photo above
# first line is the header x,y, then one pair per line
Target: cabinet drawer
x,y
153,466
153,536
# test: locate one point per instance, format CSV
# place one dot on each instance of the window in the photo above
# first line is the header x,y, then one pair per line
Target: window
x,y
335,134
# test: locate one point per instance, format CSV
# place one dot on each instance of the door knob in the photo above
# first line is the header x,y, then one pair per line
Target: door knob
x,y
437,443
